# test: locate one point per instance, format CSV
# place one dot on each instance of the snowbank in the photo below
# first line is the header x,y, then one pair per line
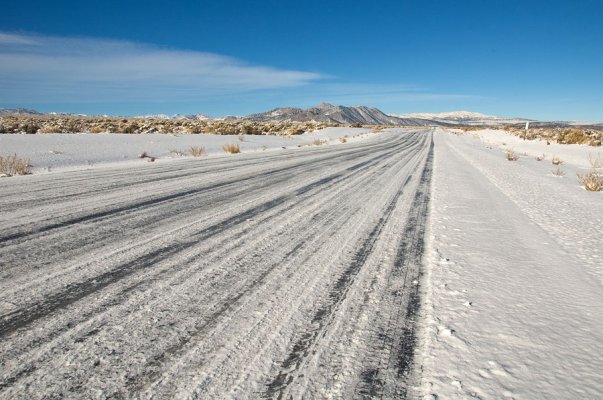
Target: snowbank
x,y
514,286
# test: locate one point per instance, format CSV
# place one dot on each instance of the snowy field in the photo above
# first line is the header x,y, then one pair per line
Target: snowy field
x,y
514,287
52,152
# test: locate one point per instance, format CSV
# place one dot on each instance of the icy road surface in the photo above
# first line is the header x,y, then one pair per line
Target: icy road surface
x,y
284,274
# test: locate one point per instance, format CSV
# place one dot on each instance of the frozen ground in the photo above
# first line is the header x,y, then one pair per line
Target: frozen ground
x,y
285,274
52,152
514,288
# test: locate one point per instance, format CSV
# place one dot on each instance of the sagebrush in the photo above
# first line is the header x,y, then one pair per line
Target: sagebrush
x,y
591,181
13,165
231,148
512,156
197,151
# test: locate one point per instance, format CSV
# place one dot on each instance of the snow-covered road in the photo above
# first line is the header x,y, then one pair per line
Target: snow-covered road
x,y
279,274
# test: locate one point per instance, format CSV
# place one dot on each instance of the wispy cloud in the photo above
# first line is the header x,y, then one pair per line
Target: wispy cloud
x,y
35,68
391,96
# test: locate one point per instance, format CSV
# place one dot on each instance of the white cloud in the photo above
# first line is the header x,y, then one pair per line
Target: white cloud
x,y
7,38
46,69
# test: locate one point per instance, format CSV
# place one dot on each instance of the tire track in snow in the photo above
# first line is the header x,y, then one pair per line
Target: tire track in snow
x,y
23,317
328,200
323,181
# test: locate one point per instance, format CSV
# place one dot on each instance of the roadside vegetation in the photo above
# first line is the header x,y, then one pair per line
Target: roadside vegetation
x,y
197,151
12,165
511,155
232,148
593,180
565,135
74,124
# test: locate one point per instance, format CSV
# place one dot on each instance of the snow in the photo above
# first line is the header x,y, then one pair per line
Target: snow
x,y
514,284
52,152
576,154
214,278
512,291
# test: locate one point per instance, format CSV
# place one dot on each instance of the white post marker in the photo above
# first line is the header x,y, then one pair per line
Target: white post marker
x,y
525,136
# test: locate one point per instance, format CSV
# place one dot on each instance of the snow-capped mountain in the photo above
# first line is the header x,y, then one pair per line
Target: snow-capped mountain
x,y
463,118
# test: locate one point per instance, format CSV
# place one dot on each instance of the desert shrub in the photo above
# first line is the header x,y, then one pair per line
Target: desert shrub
x,y
13,165
51,129
573,136
296,131
558,172
231,148
195,129
471,128
512,156
131,128
196,151
319,142
595,162
556,160
178,153
591,181
95,129
540,158
30,128
343,139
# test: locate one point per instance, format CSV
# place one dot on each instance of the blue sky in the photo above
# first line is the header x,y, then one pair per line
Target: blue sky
x,y
531,58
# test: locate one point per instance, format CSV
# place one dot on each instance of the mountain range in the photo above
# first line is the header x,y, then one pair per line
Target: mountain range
x,y
363,115
330,113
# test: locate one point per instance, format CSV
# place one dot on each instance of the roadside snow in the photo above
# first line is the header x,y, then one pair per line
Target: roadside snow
x,y
514,286
48,152
576,154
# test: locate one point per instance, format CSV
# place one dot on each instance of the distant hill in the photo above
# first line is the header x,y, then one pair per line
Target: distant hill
x,y
464,118
329,113
18,111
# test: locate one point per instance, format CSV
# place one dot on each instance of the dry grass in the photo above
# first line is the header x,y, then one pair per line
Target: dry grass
x,y
591,181
595,162
197,151
558,172
343,139
231,148
540,158
556,161
178,153
13,165
319,142
512,156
